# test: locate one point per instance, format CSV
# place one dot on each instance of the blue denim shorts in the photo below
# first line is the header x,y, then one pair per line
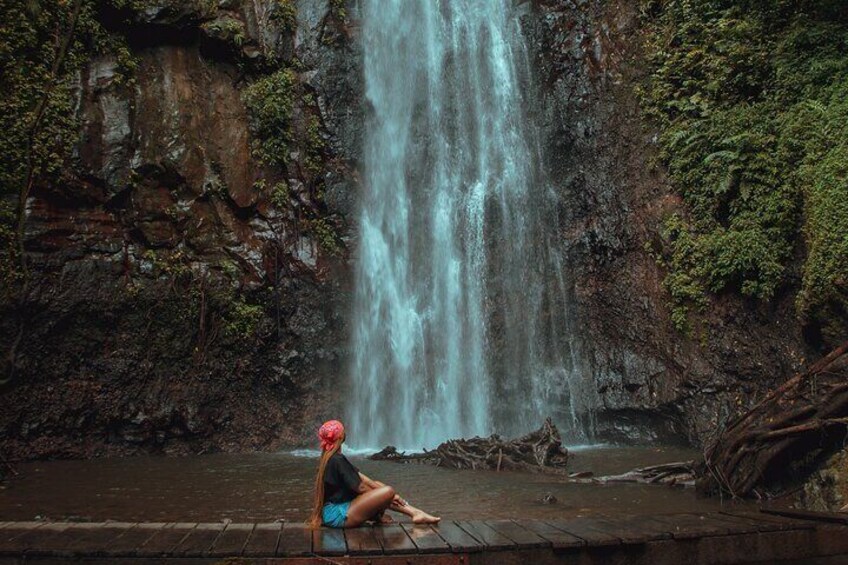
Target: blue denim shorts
x,y
334,515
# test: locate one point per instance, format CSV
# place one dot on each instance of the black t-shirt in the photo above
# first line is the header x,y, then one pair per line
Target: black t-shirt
x,y
341,480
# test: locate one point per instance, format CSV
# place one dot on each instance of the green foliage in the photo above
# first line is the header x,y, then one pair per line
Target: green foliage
x,y
9,273
280,195
202,8
205,298
315,146
750,98
38,121
325,235
270,102
171,264
226,29
823,180
337,10
241,321
285,14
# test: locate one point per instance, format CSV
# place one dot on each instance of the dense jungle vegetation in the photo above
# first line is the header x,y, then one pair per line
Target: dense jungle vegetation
x,y
751,98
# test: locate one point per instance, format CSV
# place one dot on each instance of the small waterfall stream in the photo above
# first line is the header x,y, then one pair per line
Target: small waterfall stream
x,y
460,322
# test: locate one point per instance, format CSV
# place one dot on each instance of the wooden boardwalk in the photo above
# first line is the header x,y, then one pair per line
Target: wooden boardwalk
x,y
715,537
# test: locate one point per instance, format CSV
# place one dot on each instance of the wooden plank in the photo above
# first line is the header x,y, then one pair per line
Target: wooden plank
x,y
558,538
95,541
592,532
743,525
484,533
458,539
394,539
426,539
55,539
14,538
785,521
693,526
523,538
362,541
232,540
328,541
27,525
17,540
128,543
263,540
163,542
832,517
199,540
50,534
295,540
635,530
766,522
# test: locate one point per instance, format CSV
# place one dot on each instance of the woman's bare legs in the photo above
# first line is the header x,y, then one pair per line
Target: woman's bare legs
x,y
375,502
369,504
418,516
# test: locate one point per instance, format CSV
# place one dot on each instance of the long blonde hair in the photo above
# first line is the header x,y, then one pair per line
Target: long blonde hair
x,y
316,518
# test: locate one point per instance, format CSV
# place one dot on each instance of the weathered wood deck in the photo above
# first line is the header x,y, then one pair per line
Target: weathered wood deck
x,y
717,537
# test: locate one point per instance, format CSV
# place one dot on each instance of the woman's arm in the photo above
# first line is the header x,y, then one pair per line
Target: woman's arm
x,y
369,484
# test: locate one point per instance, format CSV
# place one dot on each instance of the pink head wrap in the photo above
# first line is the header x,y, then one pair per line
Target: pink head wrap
x,y
330,433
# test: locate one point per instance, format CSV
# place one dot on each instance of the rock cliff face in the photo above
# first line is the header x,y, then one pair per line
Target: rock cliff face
x,y
653,382
190,297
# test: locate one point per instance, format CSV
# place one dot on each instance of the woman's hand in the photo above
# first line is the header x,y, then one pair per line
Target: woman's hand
x,y
399,501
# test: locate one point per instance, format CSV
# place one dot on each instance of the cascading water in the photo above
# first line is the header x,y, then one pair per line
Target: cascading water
x,y
460,324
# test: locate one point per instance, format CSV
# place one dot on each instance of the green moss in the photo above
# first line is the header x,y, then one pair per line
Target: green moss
x,y
270,102
241,321
280,195
226,29
203,302
285,14
750,100
314,146
337,10
325,235
170,264
823,180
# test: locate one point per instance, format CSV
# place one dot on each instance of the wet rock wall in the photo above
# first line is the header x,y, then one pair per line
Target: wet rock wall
x,y
187,296
652,382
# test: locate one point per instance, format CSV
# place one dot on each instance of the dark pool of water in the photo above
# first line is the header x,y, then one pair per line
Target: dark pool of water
x,y
267,487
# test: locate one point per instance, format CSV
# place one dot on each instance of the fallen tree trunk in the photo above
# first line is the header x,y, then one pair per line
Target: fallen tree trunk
x,y
538,451
682,473
802,420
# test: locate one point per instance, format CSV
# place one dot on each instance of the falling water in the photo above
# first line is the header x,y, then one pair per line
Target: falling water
x,y
460,321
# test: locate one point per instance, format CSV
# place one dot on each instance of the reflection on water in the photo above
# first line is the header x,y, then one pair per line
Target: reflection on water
x,y
266,487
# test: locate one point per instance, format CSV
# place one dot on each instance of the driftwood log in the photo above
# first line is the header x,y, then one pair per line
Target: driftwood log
x,y
538,451
801,421
680,474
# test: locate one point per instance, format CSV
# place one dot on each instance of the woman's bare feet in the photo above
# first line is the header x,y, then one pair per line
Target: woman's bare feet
x,y
421,517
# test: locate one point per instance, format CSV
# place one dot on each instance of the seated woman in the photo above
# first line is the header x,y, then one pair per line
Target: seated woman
x,y
344,497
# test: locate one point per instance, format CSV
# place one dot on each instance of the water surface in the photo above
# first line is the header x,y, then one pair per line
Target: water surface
x,y
267,487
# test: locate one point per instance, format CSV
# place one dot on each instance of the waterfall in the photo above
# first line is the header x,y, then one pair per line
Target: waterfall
x,y
460,323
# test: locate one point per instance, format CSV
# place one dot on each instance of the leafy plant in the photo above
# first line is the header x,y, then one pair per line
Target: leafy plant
x,y
226,29
270,102
285,14
750,100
